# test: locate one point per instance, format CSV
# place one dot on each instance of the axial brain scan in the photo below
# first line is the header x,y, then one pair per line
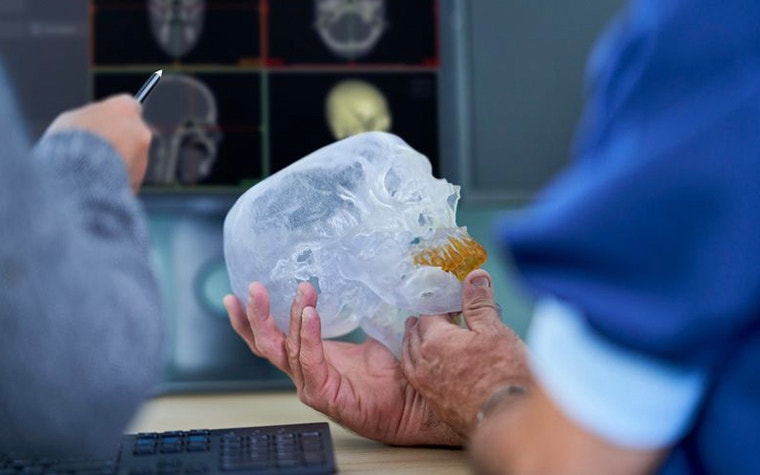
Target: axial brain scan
x,y
350,28
365,221
353,106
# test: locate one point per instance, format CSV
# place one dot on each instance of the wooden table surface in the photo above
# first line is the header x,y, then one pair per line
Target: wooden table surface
x,y
353,454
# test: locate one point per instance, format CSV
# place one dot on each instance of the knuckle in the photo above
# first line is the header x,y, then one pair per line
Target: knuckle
x,y
238,325
118,101
426,347
292,351
306,360
264,347
481,302
145,137
254,348
482,306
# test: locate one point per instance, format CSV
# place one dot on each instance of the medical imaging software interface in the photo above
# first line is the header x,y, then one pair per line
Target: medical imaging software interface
x,y
248,87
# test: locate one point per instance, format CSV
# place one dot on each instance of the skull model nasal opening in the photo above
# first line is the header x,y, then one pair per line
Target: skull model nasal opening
x,y
365,221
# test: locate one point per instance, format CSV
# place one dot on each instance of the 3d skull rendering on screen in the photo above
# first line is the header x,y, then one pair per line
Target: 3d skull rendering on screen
x,y
350,28
176,24
353,106
364,221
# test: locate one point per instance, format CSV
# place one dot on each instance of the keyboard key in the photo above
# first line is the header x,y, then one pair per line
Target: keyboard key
x,y
285,450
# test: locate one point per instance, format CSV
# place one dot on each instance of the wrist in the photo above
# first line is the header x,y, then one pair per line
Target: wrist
x,y
500,399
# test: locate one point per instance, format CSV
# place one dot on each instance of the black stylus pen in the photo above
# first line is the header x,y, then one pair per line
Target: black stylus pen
x,y
149,85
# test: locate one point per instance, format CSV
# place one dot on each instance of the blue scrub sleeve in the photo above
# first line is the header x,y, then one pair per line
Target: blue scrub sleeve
x,y
624,397
653,232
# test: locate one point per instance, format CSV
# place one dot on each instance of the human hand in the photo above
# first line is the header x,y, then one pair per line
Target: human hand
x,y
456,369
118,120
360,386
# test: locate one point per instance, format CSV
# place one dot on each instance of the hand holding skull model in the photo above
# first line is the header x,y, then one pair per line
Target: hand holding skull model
x,y
366,223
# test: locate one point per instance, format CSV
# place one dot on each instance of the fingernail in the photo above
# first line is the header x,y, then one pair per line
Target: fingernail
x,y
299,296
481,282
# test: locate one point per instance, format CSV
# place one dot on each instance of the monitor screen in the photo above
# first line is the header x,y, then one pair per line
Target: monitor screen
x,y
248,86
488,90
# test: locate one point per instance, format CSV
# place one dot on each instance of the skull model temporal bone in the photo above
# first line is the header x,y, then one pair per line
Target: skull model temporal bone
x,y
360,219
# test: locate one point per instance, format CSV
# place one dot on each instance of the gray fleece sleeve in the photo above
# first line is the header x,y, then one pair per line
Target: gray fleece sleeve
x,y
80,328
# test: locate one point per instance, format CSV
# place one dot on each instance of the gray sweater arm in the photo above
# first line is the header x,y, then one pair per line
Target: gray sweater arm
x,y
80,328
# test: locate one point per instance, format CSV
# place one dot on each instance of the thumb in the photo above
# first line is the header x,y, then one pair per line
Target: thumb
x,y
478,305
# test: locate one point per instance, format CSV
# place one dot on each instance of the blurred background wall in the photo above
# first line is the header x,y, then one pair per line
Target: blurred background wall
x,y
508,80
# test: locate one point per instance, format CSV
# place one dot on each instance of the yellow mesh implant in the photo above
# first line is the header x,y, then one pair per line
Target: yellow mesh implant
x,y
459,254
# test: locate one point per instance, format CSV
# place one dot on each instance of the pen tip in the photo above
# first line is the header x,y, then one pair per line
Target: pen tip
x,y
160,72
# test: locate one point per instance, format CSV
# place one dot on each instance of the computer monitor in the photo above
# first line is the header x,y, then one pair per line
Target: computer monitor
x,y
249,86
489,90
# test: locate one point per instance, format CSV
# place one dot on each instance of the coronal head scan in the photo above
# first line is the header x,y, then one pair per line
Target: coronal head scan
x,y
353,106
176,24
350,28
182,114
366,222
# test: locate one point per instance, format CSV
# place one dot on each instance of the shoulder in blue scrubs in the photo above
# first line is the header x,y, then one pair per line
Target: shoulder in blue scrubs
x,y
648,246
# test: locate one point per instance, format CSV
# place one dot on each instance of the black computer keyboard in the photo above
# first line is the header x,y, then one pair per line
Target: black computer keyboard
x,y
277,450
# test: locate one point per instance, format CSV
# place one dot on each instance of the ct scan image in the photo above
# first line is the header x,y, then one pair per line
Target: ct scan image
x,y
308,111
206,126
352,31
170,31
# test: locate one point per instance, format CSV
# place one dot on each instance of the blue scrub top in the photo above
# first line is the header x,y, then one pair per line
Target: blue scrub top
x,y
653,232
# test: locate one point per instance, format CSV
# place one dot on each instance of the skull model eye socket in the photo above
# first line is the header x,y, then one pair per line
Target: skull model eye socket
x,y
392,182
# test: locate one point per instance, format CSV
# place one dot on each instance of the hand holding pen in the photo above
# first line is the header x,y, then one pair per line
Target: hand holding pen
x,y
118,120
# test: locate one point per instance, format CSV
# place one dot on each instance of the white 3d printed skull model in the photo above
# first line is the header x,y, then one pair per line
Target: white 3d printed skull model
x,y
365,221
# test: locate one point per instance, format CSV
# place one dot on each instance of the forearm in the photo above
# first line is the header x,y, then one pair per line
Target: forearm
x,y
80,307
527,434
89,172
